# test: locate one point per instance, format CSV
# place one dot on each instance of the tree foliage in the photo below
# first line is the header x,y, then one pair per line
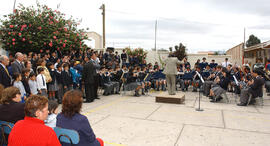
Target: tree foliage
x,y
30,29
140,52
252,40
180,51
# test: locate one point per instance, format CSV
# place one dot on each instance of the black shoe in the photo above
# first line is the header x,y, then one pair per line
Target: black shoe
x,y
194,90
88,101
212,100
211,97
143,93
252,102
105,94
97,98
242,104
136,94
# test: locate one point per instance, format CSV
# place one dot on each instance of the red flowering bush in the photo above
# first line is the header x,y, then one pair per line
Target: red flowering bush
x,y
33,29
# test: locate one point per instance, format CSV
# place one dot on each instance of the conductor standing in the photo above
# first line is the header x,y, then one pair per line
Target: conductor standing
x,y
170,71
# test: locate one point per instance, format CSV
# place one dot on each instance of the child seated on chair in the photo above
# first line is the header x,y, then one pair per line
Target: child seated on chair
x,y
53,111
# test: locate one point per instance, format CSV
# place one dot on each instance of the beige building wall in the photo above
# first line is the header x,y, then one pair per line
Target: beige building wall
x,y
97,37
236,53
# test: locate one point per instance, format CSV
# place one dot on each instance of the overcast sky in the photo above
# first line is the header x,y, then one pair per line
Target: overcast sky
x,y
207,25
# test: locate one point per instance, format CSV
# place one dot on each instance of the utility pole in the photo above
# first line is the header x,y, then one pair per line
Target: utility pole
x,y
103,22
156,39
14,5
156,36
243,50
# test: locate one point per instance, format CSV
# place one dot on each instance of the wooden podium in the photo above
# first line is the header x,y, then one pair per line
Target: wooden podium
x,y
164,97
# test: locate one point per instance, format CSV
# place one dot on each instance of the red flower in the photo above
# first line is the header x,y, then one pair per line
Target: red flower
x,y
11,26
44,43
39,28
58,49
7,43
14,33
23,39
51,22
41,51
14,10
54,37
50,44
77,34
13,40
65,41
9,33
20,34
13,43
30,42
64,45
65,29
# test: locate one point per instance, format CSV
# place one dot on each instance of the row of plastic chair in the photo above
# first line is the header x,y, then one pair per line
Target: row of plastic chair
x,y
64,135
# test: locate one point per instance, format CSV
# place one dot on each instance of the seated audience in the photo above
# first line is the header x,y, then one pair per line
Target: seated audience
x,y
53,111
11,108
70,118
32,130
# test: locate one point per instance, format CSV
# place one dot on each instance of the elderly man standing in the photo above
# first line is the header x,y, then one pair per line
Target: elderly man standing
x,y
170,71
17,65
5,78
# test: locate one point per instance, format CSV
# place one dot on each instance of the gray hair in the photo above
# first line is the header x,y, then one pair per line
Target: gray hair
x,y
18,54
2,58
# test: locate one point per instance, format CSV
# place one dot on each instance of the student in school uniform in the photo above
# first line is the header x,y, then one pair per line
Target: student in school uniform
x,y
33,84
59,79
67,78
41,82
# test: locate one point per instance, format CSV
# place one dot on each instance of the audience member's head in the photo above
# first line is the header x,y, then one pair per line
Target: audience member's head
x,y
52,107
1,90
40,70
36,106
4,60
10,94
72,103
19,56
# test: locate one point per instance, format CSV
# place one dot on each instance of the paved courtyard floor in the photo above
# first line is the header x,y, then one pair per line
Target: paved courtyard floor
x,y
124,120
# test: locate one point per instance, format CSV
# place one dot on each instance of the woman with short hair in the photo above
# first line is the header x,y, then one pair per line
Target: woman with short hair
x,y
32,130
11,108
70,118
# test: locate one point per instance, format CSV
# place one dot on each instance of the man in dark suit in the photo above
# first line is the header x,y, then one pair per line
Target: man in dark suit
x,y
124,57
5,78
88,79
95,62
17,65
255,88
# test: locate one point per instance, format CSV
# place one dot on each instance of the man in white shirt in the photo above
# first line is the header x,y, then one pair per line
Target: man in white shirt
x,y
225,63
41,82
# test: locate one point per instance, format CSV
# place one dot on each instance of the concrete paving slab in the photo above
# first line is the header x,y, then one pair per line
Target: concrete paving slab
x,y
126,109
136,132
187,115
263,109
209,136
247,121
94,118
226,106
